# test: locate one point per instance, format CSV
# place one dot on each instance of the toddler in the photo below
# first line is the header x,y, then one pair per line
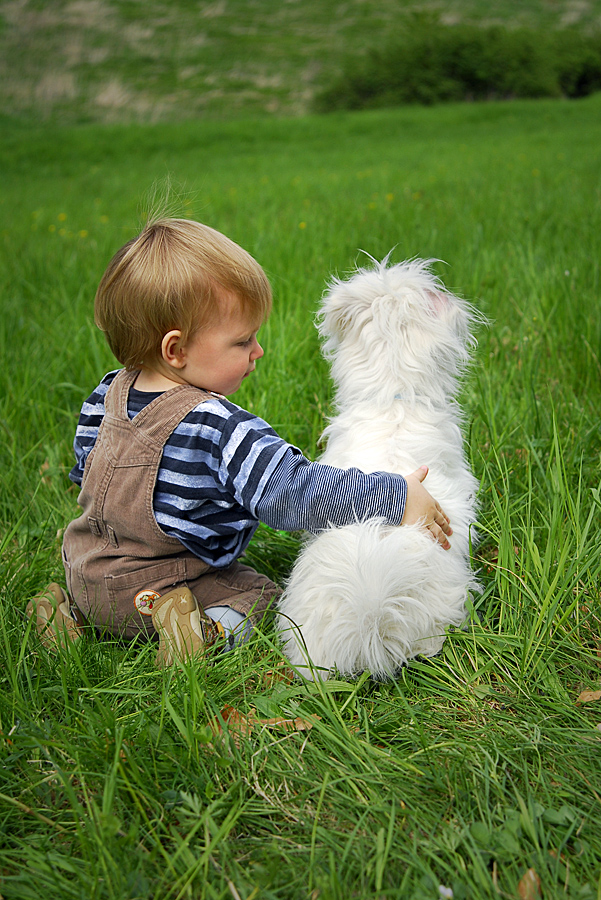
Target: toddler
x,y
174,476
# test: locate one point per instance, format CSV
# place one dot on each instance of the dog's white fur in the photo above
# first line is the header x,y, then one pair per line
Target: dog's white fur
x,y
369,596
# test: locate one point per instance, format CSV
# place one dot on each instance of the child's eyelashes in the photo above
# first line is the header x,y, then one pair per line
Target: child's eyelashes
x,y
247,342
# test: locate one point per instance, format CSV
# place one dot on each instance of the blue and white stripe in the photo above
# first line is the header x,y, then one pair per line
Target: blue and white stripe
x,y
223,470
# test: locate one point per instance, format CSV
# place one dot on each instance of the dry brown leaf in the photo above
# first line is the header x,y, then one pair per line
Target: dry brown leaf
x,y
490,557
298,724
529,886
236,721
242,724
589,696
280,674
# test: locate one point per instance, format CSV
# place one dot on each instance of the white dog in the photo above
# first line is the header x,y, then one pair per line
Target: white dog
x,y
369,596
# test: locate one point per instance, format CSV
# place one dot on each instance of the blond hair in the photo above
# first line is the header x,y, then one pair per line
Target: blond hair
x,y
173,276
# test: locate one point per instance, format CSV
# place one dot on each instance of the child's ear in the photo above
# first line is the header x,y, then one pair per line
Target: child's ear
x,y
172,349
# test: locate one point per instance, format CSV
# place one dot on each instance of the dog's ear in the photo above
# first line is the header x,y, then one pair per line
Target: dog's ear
x,y
334,322
335,314
439,302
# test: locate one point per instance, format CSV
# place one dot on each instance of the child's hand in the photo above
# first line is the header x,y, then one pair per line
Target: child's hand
x,y
421,507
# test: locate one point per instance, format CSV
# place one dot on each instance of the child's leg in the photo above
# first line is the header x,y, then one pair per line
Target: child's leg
x,y
237,597
238,587
53,617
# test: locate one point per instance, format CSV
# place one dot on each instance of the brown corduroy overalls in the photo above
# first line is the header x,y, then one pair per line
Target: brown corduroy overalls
x,y
116,548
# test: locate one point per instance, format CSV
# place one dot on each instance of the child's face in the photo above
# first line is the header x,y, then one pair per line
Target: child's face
x,y
220,356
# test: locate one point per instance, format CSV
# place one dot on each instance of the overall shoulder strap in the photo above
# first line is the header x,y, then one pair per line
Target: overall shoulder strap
x,y
115,400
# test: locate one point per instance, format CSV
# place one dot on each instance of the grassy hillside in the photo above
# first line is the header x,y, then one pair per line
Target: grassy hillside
x,y
123,60
476,772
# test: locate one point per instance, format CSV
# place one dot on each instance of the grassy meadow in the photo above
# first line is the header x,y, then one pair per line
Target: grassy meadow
x,y
478,772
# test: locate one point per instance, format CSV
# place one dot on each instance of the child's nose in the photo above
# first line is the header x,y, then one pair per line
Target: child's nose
x,y
257,351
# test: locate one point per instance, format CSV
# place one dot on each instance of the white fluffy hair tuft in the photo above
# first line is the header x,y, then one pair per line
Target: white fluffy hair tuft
x,y
369,596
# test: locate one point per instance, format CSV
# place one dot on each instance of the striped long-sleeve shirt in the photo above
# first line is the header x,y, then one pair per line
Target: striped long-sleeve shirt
x,y
224,470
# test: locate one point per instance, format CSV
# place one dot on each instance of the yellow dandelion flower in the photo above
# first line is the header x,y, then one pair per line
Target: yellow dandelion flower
x,y
104,219
390,197
61,217
62,231
52,228
83,233
302,224
371,205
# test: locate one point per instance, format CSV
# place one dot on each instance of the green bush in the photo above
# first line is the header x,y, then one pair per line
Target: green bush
x,y
432,63
578,63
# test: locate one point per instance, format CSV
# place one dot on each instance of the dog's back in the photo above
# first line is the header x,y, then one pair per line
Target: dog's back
x,y
368,596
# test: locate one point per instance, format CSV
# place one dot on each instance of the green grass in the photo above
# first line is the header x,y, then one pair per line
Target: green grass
x,y
469,769
151,61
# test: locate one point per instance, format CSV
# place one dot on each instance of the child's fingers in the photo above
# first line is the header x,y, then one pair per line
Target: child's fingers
x,y
445,523
442,520
439,535
440,527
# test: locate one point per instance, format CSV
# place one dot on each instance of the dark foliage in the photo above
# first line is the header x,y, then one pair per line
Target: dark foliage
x,y
427,62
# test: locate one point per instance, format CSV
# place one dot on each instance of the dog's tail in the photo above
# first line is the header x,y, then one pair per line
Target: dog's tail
x,y
371,597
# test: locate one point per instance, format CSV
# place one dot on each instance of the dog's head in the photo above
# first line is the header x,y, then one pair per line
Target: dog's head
x,y
395,331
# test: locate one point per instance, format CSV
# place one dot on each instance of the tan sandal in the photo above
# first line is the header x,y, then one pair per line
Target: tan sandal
x,y
53,618
184,630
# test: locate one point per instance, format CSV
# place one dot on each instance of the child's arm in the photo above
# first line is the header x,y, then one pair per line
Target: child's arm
x,y
420,506
306,496
90,419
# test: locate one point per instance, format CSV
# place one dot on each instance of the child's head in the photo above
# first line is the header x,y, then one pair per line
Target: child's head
x,y
177,274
